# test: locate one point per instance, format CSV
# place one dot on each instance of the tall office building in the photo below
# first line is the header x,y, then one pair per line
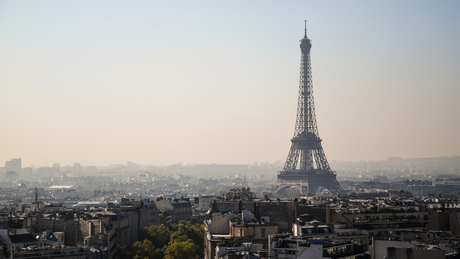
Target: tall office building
x,y
14,165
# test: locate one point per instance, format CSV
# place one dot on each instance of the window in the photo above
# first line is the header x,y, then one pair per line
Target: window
x,y
262,232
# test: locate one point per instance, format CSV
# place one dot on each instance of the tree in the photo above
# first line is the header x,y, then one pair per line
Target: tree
x,y
222,191
181,250
268,194
188,230
184,240
211,191
158,235
146,250
122,252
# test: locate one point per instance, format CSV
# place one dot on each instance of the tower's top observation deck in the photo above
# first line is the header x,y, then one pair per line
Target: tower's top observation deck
x,y
305,43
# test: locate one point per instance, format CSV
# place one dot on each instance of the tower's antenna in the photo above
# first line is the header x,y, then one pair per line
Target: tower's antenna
x,y
305,28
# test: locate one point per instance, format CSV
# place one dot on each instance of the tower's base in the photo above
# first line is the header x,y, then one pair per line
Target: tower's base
x,y
307,182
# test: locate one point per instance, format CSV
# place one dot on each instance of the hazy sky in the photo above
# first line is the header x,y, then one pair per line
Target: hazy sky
x,y
161,82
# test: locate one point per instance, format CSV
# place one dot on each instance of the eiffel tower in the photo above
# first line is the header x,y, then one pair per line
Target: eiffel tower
x,y
306,151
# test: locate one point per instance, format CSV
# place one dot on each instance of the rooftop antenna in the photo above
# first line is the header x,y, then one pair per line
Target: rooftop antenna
x,y
305,28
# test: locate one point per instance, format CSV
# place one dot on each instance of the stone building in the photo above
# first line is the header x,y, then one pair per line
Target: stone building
x,y
377,224
179,209
226,228
104,228
285,246
410,250
444,220
282,213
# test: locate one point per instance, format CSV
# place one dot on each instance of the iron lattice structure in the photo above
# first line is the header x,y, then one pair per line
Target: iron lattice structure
x,y
306,150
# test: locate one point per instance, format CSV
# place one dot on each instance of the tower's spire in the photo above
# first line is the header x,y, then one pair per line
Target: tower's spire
x,y
305,28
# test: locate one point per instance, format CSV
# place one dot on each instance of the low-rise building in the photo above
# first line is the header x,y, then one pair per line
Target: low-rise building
x,y
391,249
285,246
228,229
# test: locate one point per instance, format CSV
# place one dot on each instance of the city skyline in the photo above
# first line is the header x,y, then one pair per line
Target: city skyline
x,y
162,83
